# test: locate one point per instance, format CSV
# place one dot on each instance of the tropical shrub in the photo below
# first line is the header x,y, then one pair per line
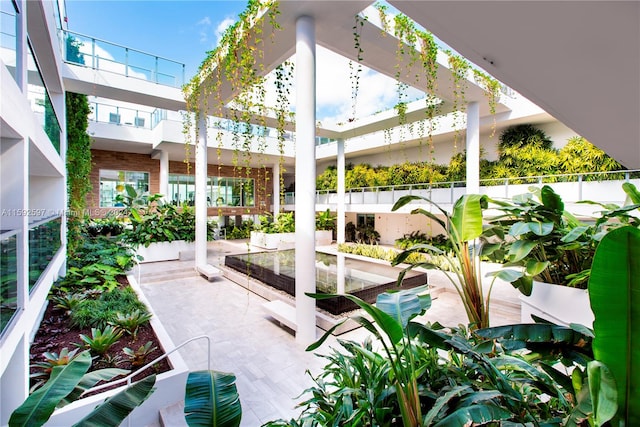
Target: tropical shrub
x,y
101,250
131,322
418,374
325,220
241,231
283,223
108,226
550,244
138,357
463,225
154,220
100,312
101,340
418,237
65,385
580,156
328,179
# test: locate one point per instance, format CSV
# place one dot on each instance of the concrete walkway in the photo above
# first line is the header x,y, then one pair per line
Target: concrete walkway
x,y
270,366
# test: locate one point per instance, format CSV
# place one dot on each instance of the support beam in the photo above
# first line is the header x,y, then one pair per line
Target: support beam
x,y
305,179
164,175
201,191
276,189
341,209
473,148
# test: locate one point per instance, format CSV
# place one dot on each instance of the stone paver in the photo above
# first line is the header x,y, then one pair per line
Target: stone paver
x,y
270,366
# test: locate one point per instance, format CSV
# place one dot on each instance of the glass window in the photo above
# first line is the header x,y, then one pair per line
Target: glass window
x,y
231,192
366,220
44,242
41,102
8,38
182,189
221,191
8,278
112,183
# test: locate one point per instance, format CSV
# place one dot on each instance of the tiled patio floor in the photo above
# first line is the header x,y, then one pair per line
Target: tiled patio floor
x,y
269,364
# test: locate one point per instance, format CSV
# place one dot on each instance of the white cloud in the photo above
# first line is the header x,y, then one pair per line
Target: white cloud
x,y
222,26
204,27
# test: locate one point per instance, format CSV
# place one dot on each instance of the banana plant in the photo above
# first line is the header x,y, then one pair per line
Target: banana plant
x,y
390,321
212,400
462,227
609,388
614,291
67,382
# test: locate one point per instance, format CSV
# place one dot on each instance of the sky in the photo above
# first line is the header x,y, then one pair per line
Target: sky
x,y
184,30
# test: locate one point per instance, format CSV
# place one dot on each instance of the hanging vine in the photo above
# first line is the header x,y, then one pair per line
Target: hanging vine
x,y
459,68
236,61
356,70
492,93
284,80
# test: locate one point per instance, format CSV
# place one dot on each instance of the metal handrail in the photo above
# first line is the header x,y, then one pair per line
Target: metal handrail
x,y
178,79
129,377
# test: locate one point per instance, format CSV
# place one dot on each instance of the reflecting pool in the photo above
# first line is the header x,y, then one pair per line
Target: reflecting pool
x,y
361,278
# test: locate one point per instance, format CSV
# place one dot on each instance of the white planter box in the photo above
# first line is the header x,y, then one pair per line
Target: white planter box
x,y
282,241
559,304
324,237
164,251
279,241
169,386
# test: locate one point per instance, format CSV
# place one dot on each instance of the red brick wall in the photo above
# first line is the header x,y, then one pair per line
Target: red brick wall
x,y
143,163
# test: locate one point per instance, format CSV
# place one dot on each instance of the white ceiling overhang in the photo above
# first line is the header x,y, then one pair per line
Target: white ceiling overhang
x,y
577,60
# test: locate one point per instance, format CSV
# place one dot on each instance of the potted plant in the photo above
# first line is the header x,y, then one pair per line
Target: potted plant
x,y
160,231
278,233
325,227
549,253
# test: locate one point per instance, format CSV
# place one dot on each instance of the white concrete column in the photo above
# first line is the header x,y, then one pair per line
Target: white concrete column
x,y
340,212
164,175
340,269
473,148
276,189
201,193
305,179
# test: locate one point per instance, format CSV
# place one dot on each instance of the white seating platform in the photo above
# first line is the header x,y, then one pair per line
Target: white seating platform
x,y
209,271
284,313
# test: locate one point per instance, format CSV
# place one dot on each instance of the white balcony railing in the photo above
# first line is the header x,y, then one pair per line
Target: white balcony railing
x,y
602,187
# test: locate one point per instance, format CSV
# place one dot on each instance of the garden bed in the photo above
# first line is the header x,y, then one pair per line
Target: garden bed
x,y
55,333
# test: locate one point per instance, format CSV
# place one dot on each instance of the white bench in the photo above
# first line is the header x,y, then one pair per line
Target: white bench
x,y
284,313
209,271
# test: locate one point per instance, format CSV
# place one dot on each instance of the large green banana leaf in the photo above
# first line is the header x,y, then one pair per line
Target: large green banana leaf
x,y
405,304
89,380
212,400
39,406
466,217
614,291
115,409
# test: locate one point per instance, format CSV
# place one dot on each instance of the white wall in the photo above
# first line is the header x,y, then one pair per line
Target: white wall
x,y
397,153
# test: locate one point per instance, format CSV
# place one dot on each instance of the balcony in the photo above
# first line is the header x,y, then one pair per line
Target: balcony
x,y
102,55
601,187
